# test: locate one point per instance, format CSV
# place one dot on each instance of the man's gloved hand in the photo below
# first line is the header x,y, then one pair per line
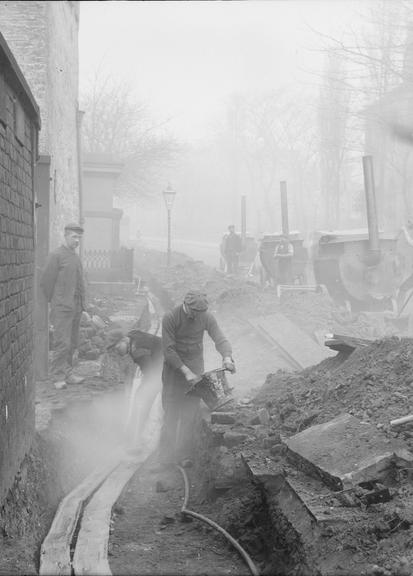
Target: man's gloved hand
x,y
228,364
189,375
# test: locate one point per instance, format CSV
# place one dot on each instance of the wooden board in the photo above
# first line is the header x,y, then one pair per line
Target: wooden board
x,y
91,553
346,343
55,549
297,346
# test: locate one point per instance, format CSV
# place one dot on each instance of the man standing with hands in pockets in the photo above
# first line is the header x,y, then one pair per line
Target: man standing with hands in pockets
x,y
63,285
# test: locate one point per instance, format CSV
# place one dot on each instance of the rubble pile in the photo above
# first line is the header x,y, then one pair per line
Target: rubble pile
x,y
100,318
366,530
193,275
374,383
314,311
92,336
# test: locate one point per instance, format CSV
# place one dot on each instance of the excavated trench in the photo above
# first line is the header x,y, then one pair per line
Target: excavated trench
x,y
241,490
257,508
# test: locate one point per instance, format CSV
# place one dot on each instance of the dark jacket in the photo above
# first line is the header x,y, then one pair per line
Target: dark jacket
x,y
182,339
146,350
231,244
62,278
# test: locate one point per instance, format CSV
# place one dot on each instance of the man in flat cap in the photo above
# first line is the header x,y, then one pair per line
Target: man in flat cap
x,y
63,285
183,330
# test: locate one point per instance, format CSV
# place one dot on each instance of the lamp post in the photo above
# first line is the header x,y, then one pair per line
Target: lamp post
x,y
169,197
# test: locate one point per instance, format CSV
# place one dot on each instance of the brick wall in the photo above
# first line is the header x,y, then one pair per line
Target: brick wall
x,y
44,39
18,126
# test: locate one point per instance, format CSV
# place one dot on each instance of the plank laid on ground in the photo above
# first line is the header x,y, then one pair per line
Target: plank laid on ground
x,y
91,553
260,330
342,343
55,549
295,343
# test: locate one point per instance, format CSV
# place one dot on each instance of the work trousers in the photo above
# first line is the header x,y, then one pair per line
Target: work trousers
x,y
232,260
285,271
66,324
181,412
145,397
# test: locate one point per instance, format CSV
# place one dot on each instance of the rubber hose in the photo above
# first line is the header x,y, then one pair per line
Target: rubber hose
x,y
237,546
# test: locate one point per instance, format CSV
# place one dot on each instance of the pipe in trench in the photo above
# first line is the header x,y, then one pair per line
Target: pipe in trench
x,y
237,546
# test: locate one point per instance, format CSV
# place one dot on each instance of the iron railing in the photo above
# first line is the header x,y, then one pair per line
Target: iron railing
x,y
109,265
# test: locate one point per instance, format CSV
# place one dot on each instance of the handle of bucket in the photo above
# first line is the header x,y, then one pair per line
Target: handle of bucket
x,y
217,370
227,388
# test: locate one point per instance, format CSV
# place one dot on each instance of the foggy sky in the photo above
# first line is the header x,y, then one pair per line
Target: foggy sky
x,y
186,58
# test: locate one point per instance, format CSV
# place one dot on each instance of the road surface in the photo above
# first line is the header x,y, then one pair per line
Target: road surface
x,y
208,252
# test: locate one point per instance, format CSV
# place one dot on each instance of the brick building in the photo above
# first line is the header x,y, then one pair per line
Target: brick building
x,y
43,37
19,126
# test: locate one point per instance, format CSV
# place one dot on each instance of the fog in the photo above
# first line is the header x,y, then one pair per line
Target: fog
x,y
238,96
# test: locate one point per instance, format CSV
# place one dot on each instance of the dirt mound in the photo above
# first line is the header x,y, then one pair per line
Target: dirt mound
x,y
314,311
374,383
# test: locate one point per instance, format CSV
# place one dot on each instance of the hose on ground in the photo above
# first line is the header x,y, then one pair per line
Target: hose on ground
x,y
237,546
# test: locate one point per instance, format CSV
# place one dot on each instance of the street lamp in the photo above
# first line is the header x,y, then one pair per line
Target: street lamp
x,y
169,197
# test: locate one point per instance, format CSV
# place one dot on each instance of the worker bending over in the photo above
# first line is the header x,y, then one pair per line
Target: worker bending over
x,y
183,330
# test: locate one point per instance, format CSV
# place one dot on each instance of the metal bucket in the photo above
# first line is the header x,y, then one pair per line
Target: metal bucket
x,y
213,388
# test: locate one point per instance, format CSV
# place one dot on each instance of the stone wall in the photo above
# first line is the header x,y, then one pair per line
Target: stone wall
x,y
44,39
19,123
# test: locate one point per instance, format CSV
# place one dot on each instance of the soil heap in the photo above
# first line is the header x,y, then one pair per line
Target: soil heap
x,y
374,384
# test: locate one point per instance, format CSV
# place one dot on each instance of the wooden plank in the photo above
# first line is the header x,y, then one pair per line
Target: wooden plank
x,y
295,343
55,549
346,343
91,553
274,344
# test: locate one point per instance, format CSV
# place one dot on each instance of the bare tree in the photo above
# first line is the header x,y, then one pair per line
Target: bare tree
x,y
373,58
272,138
333,116
118,124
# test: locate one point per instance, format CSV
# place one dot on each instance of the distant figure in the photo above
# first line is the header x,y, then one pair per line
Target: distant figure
x,y
283,255
63,285
231,248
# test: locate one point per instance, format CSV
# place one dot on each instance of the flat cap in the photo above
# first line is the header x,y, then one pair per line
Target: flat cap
x,y
74,227
196,300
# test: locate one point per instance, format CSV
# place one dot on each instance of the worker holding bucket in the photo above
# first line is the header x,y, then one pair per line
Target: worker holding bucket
x,y
183,330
